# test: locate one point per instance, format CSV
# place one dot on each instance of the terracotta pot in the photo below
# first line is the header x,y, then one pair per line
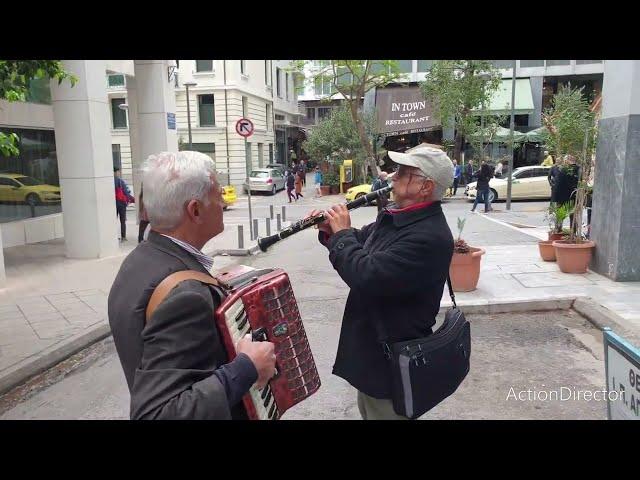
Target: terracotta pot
x,y
465,270
325,190
335,189
573,257
547,251
555,236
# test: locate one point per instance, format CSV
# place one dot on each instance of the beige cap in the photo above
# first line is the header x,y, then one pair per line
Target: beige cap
x,y
433,162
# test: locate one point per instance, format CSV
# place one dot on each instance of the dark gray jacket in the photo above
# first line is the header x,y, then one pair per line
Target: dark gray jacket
x,y
396,269
172,365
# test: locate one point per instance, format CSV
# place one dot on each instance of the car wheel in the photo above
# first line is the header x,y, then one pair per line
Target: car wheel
x,y
493,195
273,190
360,195
32,199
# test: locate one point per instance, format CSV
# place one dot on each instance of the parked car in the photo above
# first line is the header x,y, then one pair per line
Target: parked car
x,y
357,191
277,166
528,183
15,187
266,180
229,196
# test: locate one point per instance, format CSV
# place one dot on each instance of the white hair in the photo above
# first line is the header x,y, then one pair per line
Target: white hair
x,y
170,181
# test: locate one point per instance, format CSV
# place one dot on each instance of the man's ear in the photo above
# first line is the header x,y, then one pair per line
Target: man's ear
x,y
194,211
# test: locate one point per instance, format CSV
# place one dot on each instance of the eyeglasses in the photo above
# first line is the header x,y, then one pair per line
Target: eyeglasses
x,y
403,172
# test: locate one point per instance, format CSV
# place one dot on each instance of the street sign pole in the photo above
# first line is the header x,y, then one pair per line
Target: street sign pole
x,y
511,126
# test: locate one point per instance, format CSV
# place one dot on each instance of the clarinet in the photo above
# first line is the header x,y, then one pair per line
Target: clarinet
x,y
266,242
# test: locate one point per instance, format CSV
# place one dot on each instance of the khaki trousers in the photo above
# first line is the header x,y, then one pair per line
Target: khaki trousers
x,y
376,409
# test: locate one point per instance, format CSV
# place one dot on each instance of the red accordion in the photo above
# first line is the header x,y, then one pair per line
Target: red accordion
x,y
261,303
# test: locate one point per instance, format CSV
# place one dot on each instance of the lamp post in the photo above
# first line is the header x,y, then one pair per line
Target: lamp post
x,y
511,128
186,86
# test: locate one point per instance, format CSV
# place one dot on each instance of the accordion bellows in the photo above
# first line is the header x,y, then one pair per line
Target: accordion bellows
x,y
263,301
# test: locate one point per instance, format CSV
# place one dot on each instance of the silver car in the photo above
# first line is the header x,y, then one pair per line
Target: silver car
x,y
266,180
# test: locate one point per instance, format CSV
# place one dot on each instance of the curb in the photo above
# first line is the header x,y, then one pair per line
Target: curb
x,y
236,252
44,360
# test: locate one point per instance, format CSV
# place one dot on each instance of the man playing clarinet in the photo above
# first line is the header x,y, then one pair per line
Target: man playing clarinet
x,y
396,268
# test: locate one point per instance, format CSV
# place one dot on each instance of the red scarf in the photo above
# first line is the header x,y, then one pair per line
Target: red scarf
x,y
410,208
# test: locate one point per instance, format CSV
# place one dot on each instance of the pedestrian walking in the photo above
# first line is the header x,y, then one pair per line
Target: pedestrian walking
x,y
123,198
318,181
303,170
468,170
457,171
290,185
298,184
482,187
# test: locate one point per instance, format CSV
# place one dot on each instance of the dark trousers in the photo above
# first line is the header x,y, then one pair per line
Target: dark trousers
x,y
484,194
141,229
456,182
121,212
290,194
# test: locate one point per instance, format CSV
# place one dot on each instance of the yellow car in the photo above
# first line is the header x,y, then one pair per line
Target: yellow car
x,y
229,195
357,191
15,187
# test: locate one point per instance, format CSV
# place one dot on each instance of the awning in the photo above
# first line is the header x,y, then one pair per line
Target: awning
x,y
500,103
503,135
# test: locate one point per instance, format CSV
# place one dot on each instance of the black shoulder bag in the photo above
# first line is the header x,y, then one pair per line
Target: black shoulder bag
x,y
427,370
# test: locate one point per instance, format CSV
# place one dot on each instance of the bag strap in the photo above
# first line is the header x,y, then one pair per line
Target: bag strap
x,y
382,333
169,283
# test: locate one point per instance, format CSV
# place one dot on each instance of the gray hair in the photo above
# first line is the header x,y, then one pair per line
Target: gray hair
x,y
171,180
438,191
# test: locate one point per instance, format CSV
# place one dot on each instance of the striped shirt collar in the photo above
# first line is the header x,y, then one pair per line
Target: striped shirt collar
x,y
205,260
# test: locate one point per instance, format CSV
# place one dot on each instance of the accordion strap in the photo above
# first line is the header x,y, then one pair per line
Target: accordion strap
x,y
170,282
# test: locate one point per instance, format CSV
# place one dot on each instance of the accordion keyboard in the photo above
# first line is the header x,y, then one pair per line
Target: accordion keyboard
x,y
239,326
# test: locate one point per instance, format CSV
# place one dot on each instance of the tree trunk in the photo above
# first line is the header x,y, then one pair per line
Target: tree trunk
x,y
364,140
457,148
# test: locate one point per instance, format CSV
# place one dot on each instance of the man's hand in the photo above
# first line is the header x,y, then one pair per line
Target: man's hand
x,y
263,357
324,226
339,218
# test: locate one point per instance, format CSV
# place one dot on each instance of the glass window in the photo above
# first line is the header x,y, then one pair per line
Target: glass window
x,y
206,110
502,64
39,91
115,152
278,89
587,62
267,72
115,80
204,65
243,67
36,164
405,66
531,63
424,65
208,149
271,153
554,63
118,115
324,112
311,113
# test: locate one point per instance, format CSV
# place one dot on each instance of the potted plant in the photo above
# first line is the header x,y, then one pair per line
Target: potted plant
x,y
465,263
555,217
332,182
572,131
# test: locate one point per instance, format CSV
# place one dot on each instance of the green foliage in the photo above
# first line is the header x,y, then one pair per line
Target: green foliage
x,y
331,179
15,78
557,214
461,222
572,131
336,138
352,79
459,86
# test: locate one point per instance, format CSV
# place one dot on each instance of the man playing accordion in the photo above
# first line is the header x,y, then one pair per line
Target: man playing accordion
x,y
176,365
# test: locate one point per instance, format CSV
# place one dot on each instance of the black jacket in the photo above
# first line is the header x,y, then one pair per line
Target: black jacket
x,y
396,268
175,366
566,184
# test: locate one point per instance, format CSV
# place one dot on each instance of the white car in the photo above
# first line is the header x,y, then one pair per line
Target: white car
x,y
529,182
266,180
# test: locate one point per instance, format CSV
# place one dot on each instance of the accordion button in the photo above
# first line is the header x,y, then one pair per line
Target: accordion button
x,y
340,246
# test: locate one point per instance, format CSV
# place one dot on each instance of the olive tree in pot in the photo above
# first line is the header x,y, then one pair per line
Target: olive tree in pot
x,y
555,216
465,263
572,131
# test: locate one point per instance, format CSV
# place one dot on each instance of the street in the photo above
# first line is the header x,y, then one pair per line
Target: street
x,y
91,384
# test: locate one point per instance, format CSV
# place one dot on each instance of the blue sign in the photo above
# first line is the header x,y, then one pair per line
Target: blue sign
x,y
171,121
622,367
